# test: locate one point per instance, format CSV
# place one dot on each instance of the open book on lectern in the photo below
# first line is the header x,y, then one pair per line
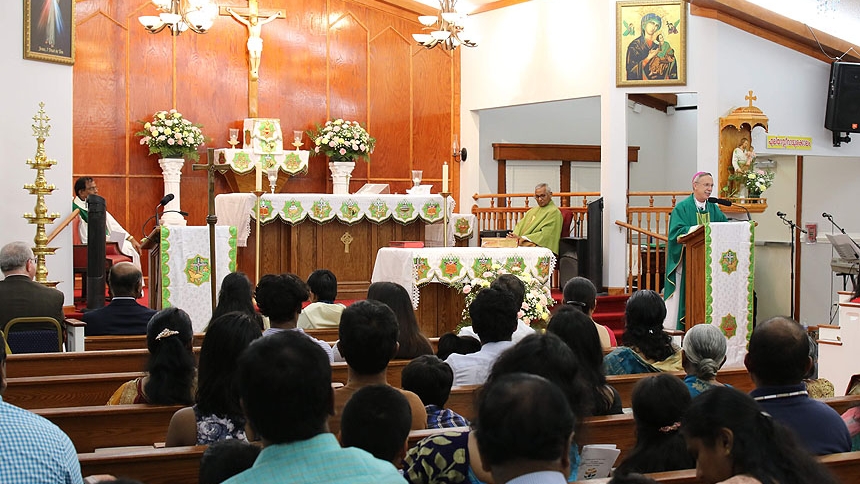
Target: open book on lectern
x,y
844,245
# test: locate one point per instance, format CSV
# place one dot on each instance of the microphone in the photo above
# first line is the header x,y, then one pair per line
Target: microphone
x,y
164,201
827,215
780,214
720,201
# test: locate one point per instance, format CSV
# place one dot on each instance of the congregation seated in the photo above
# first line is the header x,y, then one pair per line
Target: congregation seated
x,y
734,442
123,315
778,359
494,318
647,349
216,414
450,343
580,293
289,408
659,402
412,342
236,294
703,356
170,369
323,312
225,458
578,331
377,419
514,286
431,378
32,449
280,298
20,295
455,457
368,341
524,430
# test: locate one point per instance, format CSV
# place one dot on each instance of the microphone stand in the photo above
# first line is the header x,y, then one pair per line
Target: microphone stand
x,y
830,217
791,228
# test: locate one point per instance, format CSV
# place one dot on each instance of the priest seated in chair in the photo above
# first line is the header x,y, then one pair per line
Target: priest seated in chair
x,y
541,225
85,186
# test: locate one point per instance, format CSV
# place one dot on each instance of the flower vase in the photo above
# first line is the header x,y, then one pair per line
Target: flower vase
x,y
341,172
754,194
171,171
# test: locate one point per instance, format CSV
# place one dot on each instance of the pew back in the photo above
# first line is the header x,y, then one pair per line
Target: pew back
x,y
64,390
152,466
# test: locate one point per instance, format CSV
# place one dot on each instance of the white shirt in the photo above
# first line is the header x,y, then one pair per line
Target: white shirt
x,y
473,369
325,346
540,477
320,315
521,332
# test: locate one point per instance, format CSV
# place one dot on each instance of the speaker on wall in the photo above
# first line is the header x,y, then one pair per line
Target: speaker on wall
x,y
843,98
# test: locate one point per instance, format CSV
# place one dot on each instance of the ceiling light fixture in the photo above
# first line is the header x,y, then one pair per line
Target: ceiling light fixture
x,y
181,15
446,30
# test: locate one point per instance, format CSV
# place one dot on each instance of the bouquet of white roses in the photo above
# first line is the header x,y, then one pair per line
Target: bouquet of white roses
x,y
171,136
342,140
534,311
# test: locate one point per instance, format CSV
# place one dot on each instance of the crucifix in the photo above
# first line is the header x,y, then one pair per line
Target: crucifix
x,y
250,18
750,98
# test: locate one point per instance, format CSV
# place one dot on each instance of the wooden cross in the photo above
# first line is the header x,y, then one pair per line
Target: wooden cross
x,y
250,18
750,98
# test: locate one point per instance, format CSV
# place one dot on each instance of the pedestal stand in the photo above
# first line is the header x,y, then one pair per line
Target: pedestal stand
x,y
259,195
445,218
171,171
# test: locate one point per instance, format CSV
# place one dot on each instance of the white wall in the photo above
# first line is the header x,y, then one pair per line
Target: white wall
x,y
529,55
26,84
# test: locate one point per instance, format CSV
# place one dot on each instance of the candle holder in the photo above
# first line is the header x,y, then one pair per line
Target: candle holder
x,y
459,154
297,139
445,218
416,177
234,138
272,174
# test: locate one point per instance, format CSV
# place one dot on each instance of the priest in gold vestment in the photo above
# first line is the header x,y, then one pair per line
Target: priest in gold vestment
x,y
541,225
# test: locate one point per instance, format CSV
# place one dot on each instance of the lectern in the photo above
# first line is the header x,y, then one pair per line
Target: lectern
x,y
719,270
153,245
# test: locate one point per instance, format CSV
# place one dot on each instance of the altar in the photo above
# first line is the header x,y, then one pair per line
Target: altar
x,y
302,232
433,275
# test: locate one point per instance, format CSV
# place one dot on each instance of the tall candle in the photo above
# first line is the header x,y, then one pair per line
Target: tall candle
x,y
258,180
445,177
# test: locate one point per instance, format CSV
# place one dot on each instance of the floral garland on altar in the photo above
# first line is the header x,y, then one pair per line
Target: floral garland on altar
x,y
534,311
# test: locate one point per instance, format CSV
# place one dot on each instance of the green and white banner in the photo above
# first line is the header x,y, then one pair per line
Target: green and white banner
x,y
186,268
729,271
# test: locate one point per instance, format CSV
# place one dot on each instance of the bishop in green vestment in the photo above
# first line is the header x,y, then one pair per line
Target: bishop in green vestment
x,y
541,225
688,213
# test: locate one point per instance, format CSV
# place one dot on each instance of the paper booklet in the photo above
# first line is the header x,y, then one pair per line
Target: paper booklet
x,y
596,461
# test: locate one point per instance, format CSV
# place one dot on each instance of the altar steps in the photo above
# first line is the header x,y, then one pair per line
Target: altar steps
x,y
608,312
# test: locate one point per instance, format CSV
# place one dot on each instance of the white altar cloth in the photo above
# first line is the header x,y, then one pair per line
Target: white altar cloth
x,y
412,268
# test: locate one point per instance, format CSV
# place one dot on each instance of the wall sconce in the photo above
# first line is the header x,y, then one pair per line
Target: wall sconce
x,y
459,154
637,108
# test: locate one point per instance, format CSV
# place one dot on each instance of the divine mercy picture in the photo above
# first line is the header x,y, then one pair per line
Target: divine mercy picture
x,y
651,43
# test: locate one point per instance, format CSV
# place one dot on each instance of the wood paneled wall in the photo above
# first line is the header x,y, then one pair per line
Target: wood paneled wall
x,y
328,58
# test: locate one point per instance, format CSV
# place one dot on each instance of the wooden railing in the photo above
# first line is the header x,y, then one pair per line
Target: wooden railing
x,y
647,225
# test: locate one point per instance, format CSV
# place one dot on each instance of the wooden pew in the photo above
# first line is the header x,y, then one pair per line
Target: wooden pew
x,y
736,377
340,372
845,468
64,390
327,334
842,404
78,363
461,400
102,426
124,342
152,466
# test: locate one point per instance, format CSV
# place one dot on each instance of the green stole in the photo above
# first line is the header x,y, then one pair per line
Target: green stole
x,y
541,225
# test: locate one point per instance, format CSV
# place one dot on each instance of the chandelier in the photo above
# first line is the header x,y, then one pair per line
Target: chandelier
x,y
446,29
181,15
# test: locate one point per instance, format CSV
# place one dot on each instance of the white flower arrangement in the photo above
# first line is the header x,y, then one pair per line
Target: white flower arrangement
x,y
171,136
342,140
535,308
758,181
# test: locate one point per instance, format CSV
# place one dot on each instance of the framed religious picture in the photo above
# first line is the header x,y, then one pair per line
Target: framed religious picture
x,y
651,43
49,30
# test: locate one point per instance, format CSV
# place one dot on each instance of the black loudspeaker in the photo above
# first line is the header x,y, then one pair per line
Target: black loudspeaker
x,y
843,98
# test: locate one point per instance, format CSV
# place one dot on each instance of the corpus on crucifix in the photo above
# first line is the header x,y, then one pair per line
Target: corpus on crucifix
x,y
250,17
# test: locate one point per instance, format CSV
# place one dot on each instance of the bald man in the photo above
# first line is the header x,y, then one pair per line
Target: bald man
x,y
123,315
778,360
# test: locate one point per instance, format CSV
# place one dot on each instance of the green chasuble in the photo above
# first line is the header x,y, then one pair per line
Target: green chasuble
x,y
541,225
684,217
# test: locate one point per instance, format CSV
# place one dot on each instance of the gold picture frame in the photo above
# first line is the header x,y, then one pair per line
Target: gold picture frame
x,y
49,31
651,43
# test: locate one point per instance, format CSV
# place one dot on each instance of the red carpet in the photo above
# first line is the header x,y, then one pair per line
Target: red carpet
x,y
609,311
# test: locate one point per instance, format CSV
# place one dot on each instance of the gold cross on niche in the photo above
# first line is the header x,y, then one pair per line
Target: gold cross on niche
x,y
750,98
250,18
347,239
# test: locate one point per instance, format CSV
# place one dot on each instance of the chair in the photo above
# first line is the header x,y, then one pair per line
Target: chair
x,y
5,343
40,334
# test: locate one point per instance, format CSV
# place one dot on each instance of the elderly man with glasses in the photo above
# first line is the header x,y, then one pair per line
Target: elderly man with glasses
x,y
541,225
20,295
